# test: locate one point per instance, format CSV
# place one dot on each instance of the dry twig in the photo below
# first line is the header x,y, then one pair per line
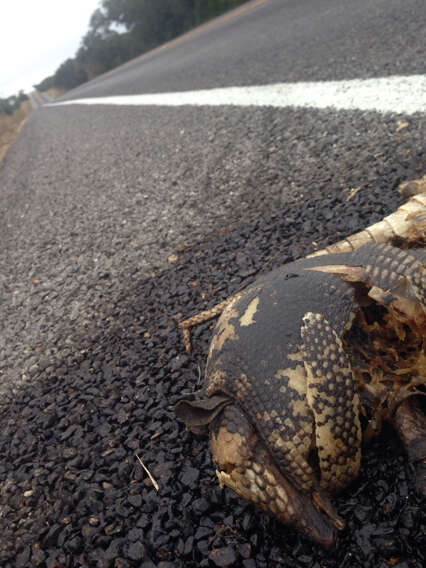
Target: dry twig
x,y
154,483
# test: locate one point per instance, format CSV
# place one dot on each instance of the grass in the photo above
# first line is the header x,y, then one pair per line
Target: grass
x,y
11,125
55,92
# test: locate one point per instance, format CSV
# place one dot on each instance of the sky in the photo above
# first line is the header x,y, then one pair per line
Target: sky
x,y
36,37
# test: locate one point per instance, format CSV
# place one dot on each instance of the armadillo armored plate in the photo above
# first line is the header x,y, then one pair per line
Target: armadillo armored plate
x,y
300,364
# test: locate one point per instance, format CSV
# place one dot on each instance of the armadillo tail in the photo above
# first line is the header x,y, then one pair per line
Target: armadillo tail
x,y
408,220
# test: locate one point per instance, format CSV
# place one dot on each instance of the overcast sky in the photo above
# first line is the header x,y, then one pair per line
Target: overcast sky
x,y
36,37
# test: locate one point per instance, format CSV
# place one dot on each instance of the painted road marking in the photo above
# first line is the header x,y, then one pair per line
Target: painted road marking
x,y
406,95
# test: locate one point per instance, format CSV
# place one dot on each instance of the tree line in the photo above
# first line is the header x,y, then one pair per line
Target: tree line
x,y
122,29
10,104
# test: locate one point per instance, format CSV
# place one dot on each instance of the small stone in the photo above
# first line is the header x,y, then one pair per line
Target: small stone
x,y
223,556
23,557
37,556
188,546
69,431
135,500
190,476
113,550
245,550
135,534
202,532
75,544
121,563
50,540
69,453
136,551
70,476
203,547
200,506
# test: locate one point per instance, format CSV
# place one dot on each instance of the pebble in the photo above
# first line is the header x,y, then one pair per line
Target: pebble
x,y
223,556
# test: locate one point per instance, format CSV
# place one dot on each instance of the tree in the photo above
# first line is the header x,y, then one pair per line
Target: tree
x,y
47,83
122,29
68,75
10,104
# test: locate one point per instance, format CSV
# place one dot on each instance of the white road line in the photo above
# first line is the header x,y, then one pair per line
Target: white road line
x,y
406,95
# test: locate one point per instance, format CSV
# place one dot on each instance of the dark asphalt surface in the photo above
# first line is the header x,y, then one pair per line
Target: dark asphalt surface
x,y
94,200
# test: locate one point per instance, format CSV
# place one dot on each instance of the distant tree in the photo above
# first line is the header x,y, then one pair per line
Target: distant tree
x,y
216,7
22,96
98,54
153,22
122,29
103,48
10,104
5,107
47,83
69,75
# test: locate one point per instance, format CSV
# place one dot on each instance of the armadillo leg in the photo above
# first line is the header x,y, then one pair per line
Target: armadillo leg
x,y
247,467
334,402
198,319
410,422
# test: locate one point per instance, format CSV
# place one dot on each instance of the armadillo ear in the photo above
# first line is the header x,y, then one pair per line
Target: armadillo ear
x,y
197,414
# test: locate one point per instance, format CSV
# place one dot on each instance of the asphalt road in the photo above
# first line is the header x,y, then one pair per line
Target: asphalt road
x,y
97,202
280,40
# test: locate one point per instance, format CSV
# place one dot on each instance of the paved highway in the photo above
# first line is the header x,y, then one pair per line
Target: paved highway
x,y
100,204
270,41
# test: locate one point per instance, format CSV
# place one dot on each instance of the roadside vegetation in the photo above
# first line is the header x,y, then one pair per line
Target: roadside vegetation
x,y
11,104
122,29
11,123
55,92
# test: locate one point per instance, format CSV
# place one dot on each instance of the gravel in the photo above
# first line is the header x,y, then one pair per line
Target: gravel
x,y
104,372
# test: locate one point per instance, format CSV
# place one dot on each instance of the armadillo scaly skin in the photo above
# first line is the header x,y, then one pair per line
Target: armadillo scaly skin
x,y
247,467
257,357
285,377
